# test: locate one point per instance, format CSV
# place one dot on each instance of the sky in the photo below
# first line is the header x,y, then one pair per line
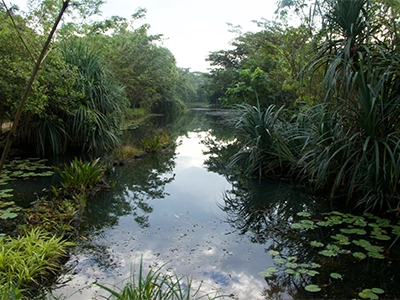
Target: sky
x,y
192,28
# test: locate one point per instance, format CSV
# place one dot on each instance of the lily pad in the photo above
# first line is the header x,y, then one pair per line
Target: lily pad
x,y
290,271
316,244
279,260
377,291
268,272
359,255
368,294
336,275
303,214
273,252
8,215
328,253
313,288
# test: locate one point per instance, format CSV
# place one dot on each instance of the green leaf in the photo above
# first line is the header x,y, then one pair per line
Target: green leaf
x,y
359,255
336,275
328,253
268,272
316,244
312,288
377,291
290,271
303,214
273,252
367,294
279,260
291,265
381,237
312,272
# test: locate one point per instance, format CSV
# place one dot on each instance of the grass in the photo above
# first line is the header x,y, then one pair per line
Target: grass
x,y
125,152
156,285
25,261
80,177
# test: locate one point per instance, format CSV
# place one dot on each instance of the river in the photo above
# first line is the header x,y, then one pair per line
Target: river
x,y
181,211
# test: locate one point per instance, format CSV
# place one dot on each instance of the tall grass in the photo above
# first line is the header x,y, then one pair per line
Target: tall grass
x,y
156,286
95,120
80,177
25,261
263,148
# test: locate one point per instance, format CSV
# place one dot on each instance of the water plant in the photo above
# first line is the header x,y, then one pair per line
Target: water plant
x,y
28,259
344,237
156,285
80,177
19,168
262,148
155,143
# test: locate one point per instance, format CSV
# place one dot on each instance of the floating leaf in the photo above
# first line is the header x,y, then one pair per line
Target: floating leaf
x,y
312,272
336,275
8,215
359,255
328,253
312,288
376,255
273,252
381,237
291,265
290,271
342,239
315,265
360,222
303,214
292,258
358,231
395,229
268,272
316,244
279,260
367,294
377,291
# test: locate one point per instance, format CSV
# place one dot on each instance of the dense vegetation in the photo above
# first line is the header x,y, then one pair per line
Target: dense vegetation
x,y
94,74
319,103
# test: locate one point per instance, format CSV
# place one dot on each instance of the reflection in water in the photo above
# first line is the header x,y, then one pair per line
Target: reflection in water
x,y
164,209
183,209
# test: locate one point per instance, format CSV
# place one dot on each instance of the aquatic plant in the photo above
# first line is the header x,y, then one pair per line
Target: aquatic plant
x,y
156,285
80,177
22,169
27,260
56,216
155,143
355,238
262,148
125,152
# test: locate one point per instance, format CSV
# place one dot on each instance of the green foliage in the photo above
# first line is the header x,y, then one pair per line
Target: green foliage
x,y
339,245
156,285
96,115
80,177
22,169
262,148
27,259
155,143
343,140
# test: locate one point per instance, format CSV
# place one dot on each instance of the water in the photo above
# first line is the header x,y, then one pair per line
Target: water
x,y
177,210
